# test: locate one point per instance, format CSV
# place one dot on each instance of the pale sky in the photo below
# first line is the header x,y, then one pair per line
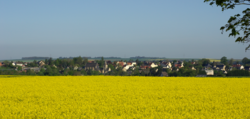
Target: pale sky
x,y
124,28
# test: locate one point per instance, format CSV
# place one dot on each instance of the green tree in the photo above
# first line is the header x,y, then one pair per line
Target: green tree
x,y
205,61
111,67
224,60
85,61
136,72
174,61
19,68
46,61
78,60
245,60
231,61
236,23
57,62
102,62
238,73
50,62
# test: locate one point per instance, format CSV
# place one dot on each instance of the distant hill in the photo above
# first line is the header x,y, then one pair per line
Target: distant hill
x,y
34,58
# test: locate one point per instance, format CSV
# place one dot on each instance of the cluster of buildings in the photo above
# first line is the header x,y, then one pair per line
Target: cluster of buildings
x,y
144,66
24,66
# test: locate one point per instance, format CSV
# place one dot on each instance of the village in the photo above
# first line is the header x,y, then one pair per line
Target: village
x,y
83,66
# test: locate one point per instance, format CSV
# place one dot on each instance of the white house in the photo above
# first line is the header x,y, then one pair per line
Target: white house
x,y
209,72
153,65
125,68
17,64
167,65
120,63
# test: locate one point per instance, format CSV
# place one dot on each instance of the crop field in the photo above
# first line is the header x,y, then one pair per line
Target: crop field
x,y
26,97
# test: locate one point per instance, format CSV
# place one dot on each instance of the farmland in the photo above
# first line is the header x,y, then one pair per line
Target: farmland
x,y
123,97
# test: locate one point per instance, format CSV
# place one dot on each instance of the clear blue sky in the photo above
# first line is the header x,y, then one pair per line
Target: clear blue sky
x,y
162,28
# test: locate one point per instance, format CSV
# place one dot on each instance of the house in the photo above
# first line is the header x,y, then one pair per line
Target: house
x,y
120,63
19,64
54,66
169,64
25,63
131,63
225,72
164,74
231,68
125,68
1,64
247,68
238,66
79,68
166,65
207,66
128,66
108,62
145,67
179,64
131,68
192,68
36,69
146,62
153,65
40,63
92,66
75,67
209,72
220,67
105,68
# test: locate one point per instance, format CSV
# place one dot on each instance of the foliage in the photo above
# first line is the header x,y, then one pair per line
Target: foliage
x,y
238,73
224,60
245,61
236,23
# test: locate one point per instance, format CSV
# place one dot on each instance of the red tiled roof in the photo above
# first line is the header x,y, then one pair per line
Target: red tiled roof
x,y
129,63
144,67
237,65
177,65
120,63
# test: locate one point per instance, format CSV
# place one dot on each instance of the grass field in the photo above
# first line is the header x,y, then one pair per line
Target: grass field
x,y
214,60
24,97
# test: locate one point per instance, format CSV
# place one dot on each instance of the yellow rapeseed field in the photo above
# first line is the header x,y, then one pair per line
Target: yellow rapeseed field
x,y
70,97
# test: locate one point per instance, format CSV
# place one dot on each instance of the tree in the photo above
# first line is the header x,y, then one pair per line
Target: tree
x,y
205,61
245,60
231,61
46,61
102,62
224,60
236,23
174,61
85,61
136,72
19,68
111,67
50,62
57,62
238,73
78,60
